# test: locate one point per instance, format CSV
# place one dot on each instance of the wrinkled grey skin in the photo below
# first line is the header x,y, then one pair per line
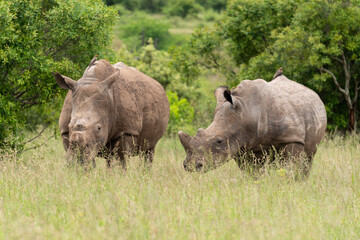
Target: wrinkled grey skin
x,y
114,110
258,116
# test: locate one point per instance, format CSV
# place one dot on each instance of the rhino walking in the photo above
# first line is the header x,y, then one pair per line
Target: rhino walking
x,y
255,117
112,109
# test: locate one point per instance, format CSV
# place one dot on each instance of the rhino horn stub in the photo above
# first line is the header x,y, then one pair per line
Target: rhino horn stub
x,y
184,139
65,82
200,132
227,96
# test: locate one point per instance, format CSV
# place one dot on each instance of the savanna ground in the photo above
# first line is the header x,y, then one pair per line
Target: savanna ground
x,y
41,198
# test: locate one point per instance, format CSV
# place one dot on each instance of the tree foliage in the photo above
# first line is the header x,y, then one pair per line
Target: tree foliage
x,y
139,27
316,42
182,8
133,5
38,37
175,7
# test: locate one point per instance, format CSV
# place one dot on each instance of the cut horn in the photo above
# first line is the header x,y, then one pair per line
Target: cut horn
x,y
200,132
184,139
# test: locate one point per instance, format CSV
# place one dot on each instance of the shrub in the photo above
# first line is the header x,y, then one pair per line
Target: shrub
x,y
181,114
182,8
38,37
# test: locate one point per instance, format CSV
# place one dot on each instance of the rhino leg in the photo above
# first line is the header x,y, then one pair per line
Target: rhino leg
x,y
293,150
120,149
65,140
149,157
295,153
249,160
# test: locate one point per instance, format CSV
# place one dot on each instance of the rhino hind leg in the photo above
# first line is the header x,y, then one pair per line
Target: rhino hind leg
x,y
292,154
294,150
149,157
295,154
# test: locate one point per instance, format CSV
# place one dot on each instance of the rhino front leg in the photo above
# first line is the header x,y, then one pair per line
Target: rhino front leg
x,y
250,161
121,149
65,140
127,147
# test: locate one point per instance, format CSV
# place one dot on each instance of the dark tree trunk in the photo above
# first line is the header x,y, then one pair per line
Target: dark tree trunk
x,y
351,119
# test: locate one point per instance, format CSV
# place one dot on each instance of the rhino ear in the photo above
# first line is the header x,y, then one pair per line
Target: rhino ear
x,y
92,61
219,93
65,82
184,139
110,80
228,97
235,103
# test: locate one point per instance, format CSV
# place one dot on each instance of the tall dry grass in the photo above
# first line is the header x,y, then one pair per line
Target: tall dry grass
x,y
41,198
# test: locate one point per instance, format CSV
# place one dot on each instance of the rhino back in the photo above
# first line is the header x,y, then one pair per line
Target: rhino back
x,y
282,111
297,113
142,107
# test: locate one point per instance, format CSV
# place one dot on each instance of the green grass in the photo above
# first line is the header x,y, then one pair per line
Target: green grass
x,y
40,198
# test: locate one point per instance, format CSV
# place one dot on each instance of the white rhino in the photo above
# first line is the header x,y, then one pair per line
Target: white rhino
x,y
255,117
112,109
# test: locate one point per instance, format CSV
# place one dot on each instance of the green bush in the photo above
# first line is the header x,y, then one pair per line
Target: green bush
x,y
38,37
134,5
181,114
159,5
209,15
213,4
182,8
121,10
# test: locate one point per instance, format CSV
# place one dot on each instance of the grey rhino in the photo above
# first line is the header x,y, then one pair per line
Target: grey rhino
x,y
112,109
254,118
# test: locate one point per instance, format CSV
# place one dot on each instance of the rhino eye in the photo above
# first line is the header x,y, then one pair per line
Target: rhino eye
x,y
219,140
99,128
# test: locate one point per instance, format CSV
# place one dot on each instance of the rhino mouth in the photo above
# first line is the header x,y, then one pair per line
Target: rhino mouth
x,y
81,155
204,164
199,167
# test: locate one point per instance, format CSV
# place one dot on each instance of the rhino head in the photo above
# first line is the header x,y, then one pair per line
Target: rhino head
x,y
91,115
212,147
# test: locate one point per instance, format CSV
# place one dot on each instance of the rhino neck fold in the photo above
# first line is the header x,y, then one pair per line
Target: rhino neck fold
x,y
112,116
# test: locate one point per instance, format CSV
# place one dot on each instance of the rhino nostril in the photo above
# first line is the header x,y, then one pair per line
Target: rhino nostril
x,y
80,127
199,167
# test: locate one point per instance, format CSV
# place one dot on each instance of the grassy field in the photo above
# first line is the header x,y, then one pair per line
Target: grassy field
x,y
41,198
